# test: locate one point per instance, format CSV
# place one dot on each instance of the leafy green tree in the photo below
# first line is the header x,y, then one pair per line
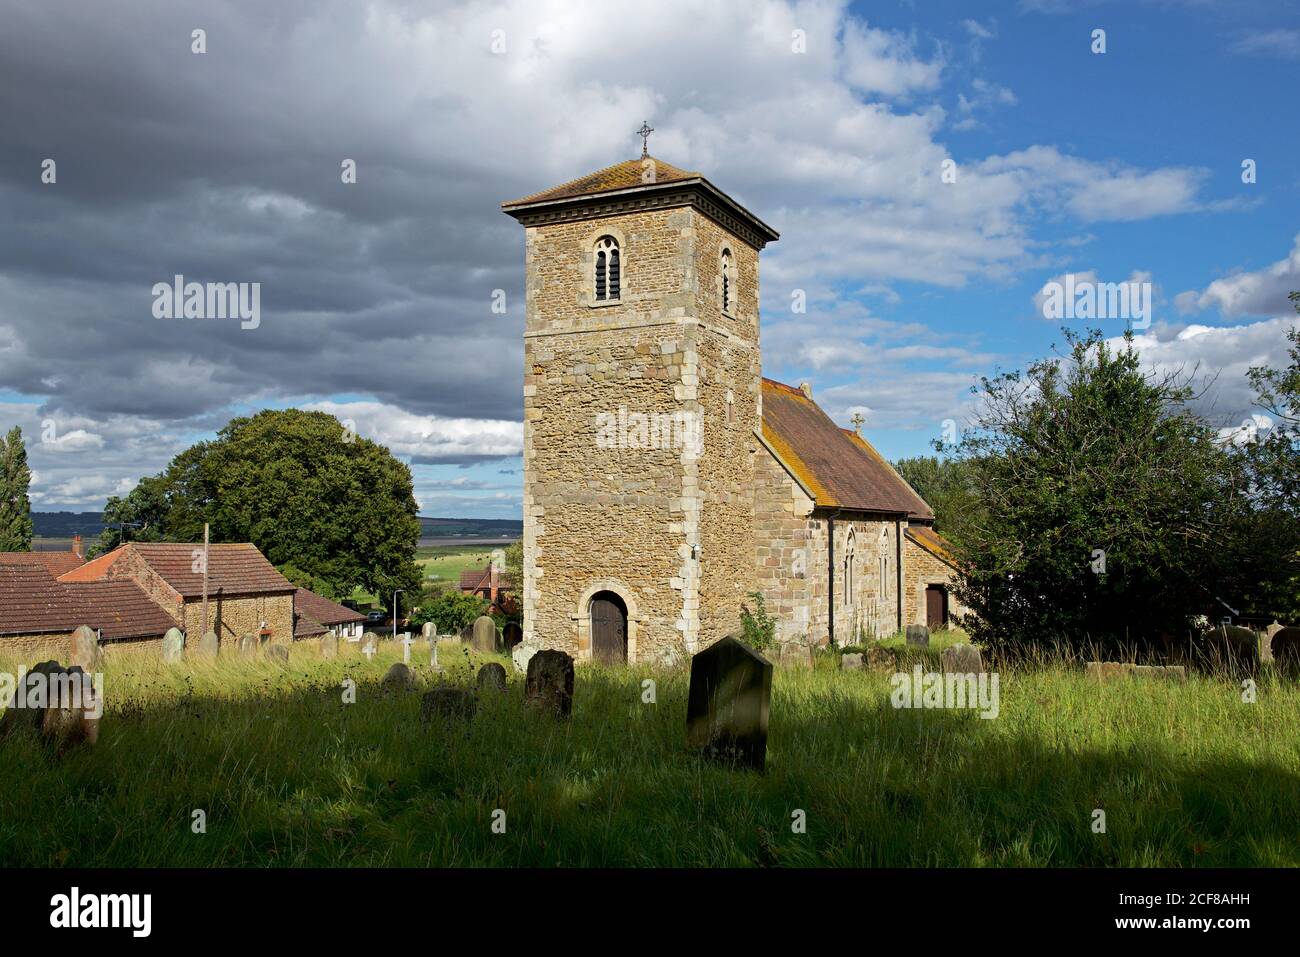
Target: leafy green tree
x,y
948,487
1106,503
138,516
15,506
451,611
334,508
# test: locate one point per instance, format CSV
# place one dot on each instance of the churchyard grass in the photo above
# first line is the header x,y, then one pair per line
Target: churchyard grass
x,y
287,774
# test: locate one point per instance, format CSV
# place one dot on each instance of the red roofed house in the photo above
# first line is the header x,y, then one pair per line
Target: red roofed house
x,y
665,480
245,592
315,615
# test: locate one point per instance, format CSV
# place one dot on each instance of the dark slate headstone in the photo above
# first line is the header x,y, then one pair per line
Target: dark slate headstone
x,y
209,645
1230,647
511,635
329,646
484,635
492,677
279,654
962,660
918,636
248,645
1286,650
447,702
173,645
85,652
727,708
398,678
549,684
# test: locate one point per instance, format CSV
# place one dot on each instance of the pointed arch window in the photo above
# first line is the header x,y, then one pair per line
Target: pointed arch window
x,y
608,269
849,559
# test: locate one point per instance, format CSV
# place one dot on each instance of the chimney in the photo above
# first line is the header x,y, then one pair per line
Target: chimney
x,y
806,388
78,548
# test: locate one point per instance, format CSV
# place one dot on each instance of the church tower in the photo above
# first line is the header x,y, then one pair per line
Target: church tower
x,y
641,404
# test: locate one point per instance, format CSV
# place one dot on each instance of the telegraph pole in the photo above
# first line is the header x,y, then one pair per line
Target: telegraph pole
x,y
205,579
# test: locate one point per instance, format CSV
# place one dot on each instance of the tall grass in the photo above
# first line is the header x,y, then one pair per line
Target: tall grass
x,y
288,774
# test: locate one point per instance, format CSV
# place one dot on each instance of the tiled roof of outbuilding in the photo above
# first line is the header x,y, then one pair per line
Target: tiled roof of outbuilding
x,y
233,569
56,563
322,610
119,609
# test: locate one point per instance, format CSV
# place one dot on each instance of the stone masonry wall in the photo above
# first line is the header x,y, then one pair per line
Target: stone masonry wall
x,y
233,617
922,568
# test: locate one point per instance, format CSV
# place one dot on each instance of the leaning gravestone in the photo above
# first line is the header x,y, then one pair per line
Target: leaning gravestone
x,y
549,684
485,635
85,653
173,645
918,636
727,706
279,654
329,646
962,660
65,722
491,677
209,645
398,678
521,654
511,635
447,702
248,645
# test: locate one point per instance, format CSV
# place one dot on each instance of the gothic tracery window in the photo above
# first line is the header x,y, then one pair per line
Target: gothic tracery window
x,y
608,269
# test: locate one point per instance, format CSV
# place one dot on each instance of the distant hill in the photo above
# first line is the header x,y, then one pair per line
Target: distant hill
x,y
66,524
471,528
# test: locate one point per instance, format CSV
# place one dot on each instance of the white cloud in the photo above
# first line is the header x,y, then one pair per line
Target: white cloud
x,y
1257,293
428,438
1277,42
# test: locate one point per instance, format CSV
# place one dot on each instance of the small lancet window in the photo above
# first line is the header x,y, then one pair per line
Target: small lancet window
x,y
608,268
727,278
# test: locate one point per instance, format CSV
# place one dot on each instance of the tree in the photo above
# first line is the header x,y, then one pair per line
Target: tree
x,y
451,611
947,486
15,506
1106,503
335,509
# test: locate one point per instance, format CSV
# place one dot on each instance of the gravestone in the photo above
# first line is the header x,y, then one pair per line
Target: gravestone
x,y
248,645
727,706
369,643
491,677
511,635
329,646
209,645
851,662
484,637
792,654
918,636
65,713
447,702
433,655
398,678
1231,647
521,654
429,632
85,652
1286,650
880,660
173,645
549,685
279,654
962,660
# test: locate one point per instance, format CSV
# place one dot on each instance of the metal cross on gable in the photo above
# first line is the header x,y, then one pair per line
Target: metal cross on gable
x,y
857,421
644,133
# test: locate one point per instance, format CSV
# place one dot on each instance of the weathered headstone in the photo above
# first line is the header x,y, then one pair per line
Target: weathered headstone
x,y
485,635
851,662
918,636
248,645
961,659
549,684
492,677
398,678
59,703
447,702
880,660
521,654
329,645
429,631
511,635
1230,647
369,644
85,652
173,645
279,654
1286,650
727,706
209,645
792,654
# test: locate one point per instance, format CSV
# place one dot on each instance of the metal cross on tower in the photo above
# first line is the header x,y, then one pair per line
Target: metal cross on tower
x,y
644,133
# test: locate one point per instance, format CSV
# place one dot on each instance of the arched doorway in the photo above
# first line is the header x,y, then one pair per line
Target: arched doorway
x,y
936,607
608,628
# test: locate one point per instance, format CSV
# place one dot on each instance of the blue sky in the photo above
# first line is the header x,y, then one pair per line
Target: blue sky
x,y
376,296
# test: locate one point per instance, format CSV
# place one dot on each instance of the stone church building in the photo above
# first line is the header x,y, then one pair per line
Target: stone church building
x,y
665,479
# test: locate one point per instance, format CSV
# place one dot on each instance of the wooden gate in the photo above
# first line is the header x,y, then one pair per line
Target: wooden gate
x,y
936,607
608,628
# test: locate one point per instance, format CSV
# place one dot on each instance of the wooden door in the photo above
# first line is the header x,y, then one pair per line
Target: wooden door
x,y
608,629
936,607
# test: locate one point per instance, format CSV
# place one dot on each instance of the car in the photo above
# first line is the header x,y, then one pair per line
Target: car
x,y
374,617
